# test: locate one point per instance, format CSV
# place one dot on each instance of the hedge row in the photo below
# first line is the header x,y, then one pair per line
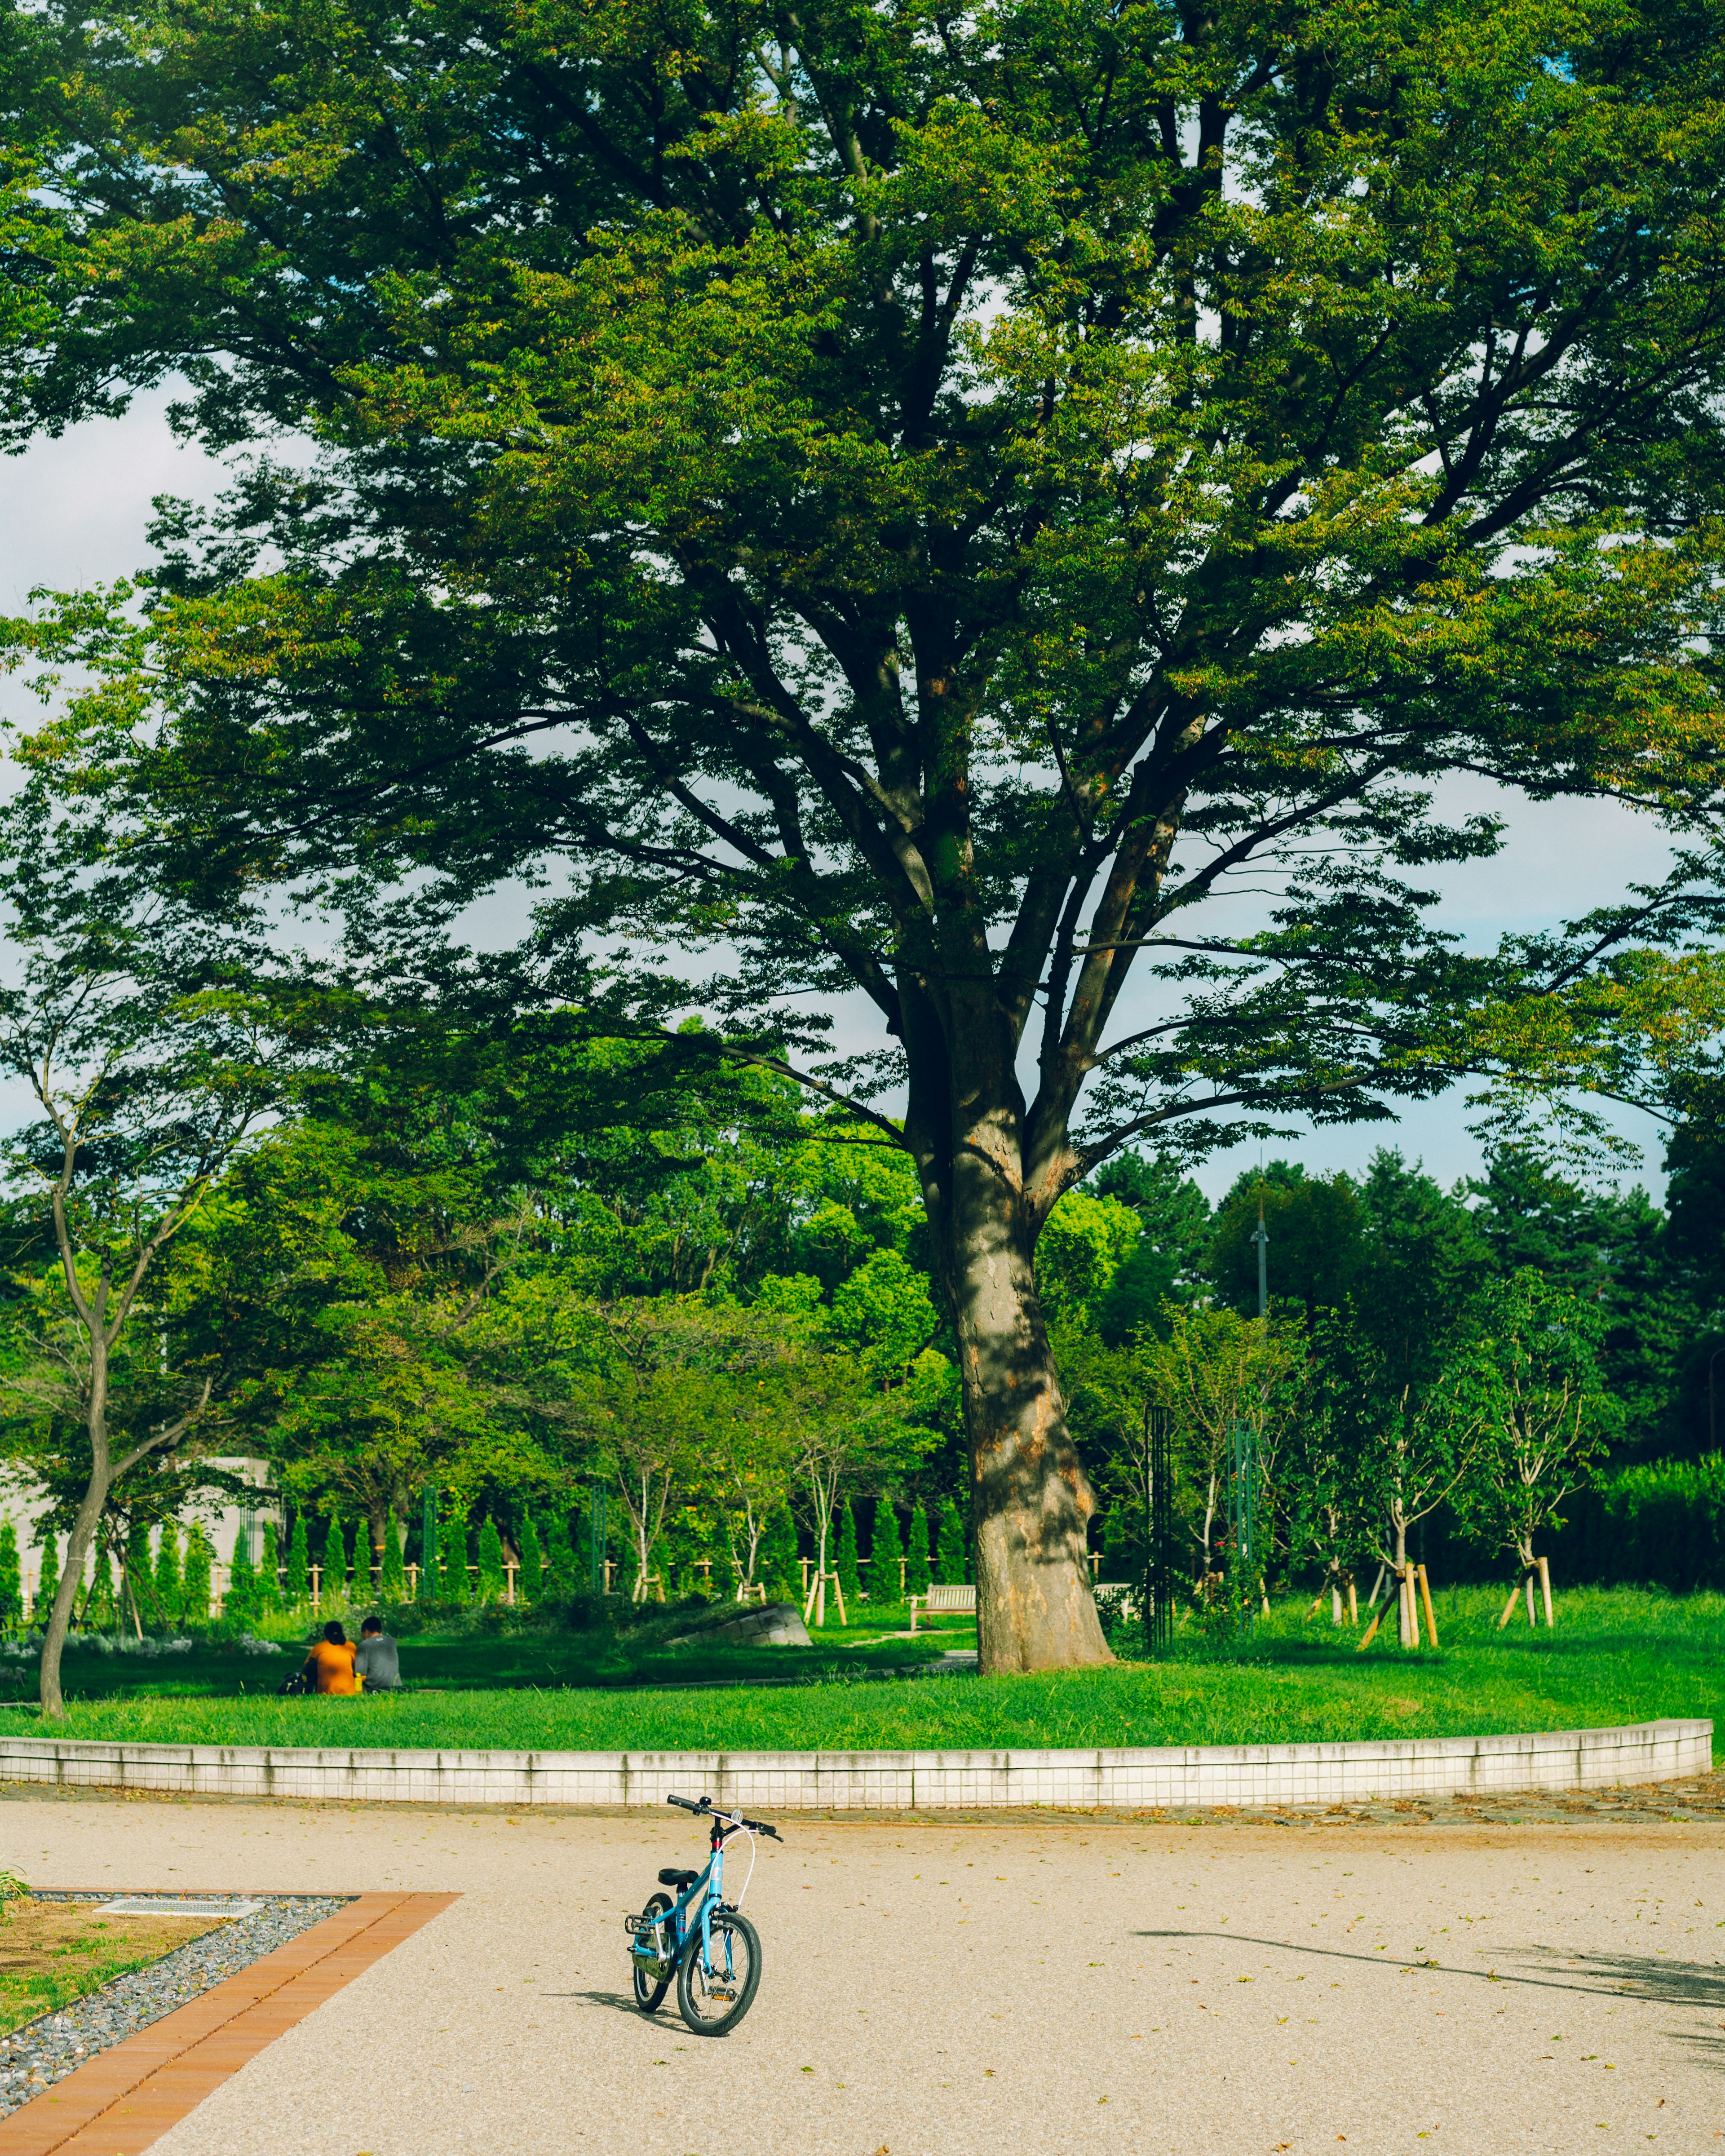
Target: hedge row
x,y
1663,1522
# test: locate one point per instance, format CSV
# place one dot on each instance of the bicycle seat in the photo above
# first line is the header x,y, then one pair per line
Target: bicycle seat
x,y
678,1879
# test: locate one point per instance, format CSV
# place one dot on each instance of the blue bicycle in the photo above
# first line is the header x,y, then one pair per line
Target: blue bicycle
x,y
702,1940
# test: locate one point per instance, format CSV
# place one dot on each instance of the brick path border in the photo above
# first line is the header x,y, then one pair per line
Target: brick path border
x,y
127,2096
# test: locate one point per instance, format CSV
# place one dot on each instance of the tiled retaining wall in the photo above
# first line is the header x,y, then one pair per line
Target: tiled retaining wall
x,y
1173,1776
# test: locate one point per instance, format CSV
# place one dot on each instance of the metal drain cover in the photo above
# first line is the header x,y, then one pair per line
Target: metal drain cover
x,y
181,1905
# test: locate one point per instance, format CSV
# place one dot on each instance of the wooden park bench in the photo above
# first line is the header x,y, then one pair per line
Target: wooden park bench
x,y
952,1600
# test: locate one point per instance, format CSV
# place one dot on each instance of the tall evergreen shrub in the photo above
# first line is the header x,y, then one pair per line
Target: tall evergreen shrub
x,y
195,1578
365,1562
269,1588
560,1548
531,1582
101,1602
48,1582
12,1581
297,1586
491,1561
916,1572
240,1603
168,1590
335,1559
392,1585
457,1584
952,1558
776,1568
884,1590
844,1562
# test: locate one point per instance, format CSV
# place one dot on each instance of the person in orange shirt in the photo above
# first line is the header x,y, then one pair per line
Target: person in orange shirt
x,y
329,1664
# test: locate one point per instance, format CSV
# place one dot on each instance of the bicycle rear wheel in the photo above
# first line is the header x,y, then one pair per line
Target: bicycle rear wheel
x,y
653,1977
715,1990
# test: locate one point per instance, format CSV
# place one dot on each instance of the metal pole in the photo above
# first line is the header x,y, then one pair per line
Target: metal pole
x,y
598,1572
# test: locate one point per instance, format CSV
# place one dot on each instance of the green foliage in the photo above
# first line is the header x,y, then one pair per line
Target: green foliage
x,y
11,1587
48,1583
1316,1230
885,1591
491,1561
779,1571
195,1576
334,1580
240,1603
297,1586
845,1559
953,1556
393,1583
1080,1251
457,1583
531,1580
918,1574
561,1555
269,1585
168,1589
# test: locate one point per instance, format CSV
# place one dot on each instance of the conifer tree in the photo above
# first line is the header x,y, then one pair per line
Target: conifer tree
x,y
102,1600
491,1561
393,1583
168,1573
457,1586
952,1558
918,1574
48,1584
531,1582
884,1590
560,1555
240,1603
364,1561
12,1584
195,1579
335,1559
298,1584
845,1559
779,1569
268,1591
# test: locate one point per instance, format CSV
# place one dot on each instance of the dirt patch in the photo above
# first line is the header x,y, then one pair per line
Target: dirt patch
x,y
52,1953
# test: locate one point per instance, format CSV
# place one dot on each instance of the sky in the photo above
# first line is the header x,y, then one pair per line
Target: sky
x,y
74,512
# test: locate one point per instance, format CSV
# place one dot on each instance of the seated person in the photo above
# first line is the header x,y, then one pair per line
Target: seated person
x,y
331,1662
379,1664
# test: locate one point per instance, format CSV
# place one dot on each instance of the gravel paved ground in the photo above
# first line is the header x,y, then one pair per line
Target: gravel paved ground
x,y
1027,1987
42,2052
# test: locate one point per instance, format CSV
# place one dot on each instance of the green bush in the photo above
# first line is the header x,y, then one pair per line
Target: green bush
x,y
393,1580
452,1548
12,1583
884,1590
298,1585
562,1561
240,1603
491,1561
194,1578
531,1582
1661,1523
268,1588
48,1583
916,1572
335,1559
168,1589
776,1569
845,1559
953,1559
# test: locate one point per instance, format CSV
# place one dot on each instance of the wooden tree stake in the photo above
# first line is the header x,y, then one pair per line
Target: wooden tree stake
x,y
1545,1589
1509,1606
1425,1597
1353,1604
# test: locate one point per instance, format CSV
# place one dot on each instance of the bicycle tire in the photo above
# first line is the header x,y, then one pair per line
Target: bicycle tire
x,y
729,1989
650,1991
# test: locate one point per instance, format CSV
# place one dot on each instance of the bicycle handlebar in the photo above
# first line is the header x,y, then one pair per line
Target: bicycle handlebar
x,y
734,1819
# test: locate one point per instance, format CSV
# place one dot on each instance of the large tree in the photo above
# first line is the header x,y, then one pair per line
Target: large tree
x,y
919,503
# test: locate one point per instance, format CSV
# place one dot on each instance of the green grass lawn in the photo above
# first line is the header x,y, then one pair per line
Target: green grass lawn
x,y
1619,1656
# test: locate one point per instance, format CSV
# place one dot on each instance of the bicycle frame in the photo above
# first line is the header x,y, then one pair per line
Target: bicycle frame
x,y
707,1889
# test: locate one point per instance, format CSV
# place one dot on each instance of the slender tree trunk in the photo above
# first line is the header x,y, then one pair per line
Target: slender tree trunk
x,y
83,1529
1401,1576
1031,1498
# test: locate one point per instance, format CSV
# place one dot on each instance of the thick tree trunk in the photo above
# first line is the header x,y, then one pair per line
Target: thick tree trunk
x,y
1031,1498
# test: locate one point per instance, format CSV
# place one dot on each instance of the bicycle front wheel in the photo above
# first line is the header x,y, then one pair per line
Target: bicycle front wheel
x,y
652,1978
716,1987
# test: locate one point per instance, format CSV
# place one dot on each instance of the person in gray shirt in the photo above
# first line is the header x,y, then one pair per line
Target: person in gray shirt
x,y
378,1665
